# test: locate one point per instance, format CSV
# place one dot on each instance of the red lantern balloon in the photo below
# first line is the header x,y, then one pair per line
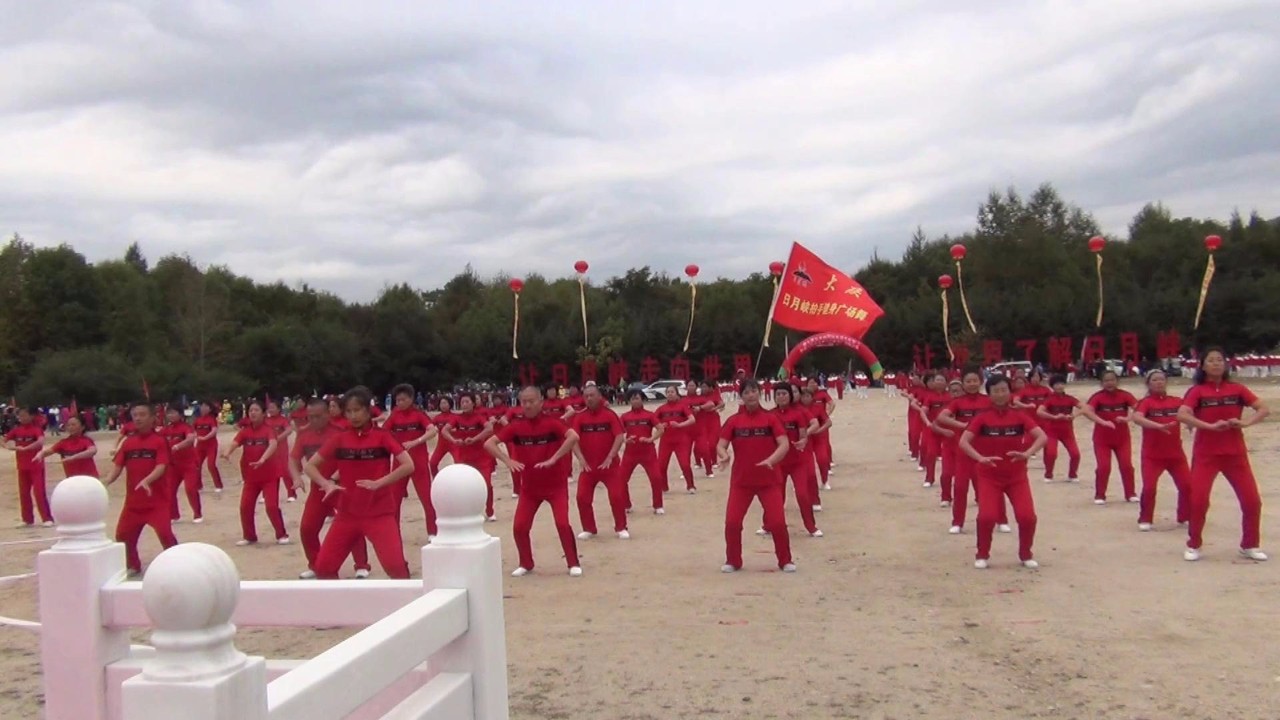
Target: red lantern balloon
x,y
581,266
1212,243
944,282
691,271
1096,243
516,285
776,268
958,252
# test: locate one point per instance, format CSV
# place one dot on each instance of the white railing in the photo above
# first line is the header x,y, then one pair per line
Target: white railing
x,y
432,650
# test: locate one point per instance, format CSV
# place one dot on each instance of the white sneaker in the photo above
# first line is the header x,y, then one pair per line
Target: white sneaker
x,y
362,573
826,486
307,575
919,468
519,572
217,491
1144,527
242,543
955,530
1030,564
1253,554
283,541
1190,555
514,496
1099,502
47,523
1133,499
928,484
980,564
659,511
692,491
1004,528
584,535
945,503
789,568
292,499
1048,480
491,518
262,501
817,508
624,535
816,533
726,568
762,532
175,521
1073,479
575,571
711,474
431,539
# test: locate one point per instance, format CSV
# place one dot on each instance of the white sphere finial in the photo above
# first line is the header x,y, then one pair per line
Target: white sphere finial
x,y
459,494
190,592
79,506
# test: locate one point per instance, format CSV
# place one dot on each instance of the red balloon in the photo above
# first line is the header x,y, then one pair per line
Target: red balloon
x,y
776,268
1096,243
516,285
958,252
691,270
581,266
944,282
1212,242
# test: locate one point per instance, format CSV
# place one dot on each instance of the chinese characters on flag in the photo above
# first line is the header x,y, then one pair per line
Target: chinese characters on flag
x,y
815,297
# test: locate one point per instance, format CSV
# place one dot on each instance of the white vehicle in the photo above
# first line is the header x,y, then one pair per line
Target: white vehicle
x,y
658,390
1012,369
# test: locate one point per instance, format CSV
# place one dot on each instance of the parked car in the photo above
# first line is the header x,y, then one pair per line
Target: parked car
x,y
658,390
1012,369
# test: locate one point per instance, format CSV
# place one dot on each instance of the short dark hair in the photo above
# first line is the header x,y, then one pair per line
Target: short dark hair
x,y
633,394
1200,377
971,370
1057,380
318,402
995,380
360,394
402,389
749,384
136,403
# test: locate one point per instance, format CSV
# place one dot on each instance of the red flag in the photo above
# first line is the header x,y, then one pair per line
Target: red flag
x,y
146,389
815,297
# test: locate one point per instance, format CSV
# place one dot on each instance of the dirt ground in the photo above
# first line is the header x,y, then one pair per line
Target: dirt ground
x,y
886,617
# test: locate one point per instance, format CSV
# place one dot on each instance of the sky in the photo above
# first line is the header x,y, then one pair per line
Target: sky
x,y
355,145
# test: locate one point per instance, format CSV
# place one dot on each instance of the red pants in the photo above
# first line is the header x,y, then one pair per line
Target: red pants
x,y
679,446
613,483
484,464
821,447
801,474
31,486
775,521
1204,469
913,432
930,450
811,462
949,453
704,446
269,489
1064,433
207,454
187,478
421,479
313,514
1152,468
129,529
993,486
347,531
646,458
1121,444
527,508
964,475
438,454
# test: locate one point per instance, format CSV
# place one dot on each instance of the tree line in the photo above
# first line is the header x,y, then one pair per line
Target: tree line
x,y
95,331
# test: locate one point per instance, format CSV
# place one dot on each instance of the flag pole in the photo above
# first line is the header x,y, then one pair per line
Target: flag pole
x,y
768,323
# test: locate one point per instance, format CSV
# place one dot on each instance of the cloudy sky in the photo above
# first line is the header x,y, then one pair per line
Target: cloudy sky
x,y
349,145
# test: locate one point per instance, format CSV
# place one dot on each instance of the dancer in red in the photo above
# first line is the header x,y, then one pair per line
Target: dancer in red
x,y
1214,407
1157,415
932,401
1031,396
799,424
600,438
914,391
1111,407
1000,441
76,449
206,427
258,471
707,425
676,420
818,447
441,420
412,428
759,444
143,458
26,439
539,444
370,466
643,430
951,423
312,435
1057,415
337,418
183,473
467,434
280,460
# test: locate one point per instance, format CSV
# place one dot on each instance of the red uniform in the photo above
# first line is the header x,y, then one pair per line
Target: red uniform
x,y
753,435
915,424
406,425
517,478
443,446
366,453
280,424
639,426
934,403
467,426
706,429
1113,406
596,431
675,441
139,455
1222,451
31,485
532,441
964,409
207,450
74,445
317,508
264,481
798,465
182,471
819,450
1061,429
1162,452
997,432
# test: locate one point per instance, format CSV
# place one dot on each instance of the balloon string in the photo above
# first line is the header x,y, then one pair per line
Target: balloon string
x,y
1204,291
515,330
693,305
945,334
963,302
1098,321
768,323
582,293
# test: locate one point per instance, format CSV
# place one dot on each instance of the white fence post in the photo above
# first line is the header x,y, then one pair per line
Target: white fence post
x,y
75,648
190,592
464,556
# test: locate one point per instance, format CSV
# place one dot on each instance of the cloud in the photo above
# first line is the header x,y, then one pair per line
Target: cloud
x,y
354,147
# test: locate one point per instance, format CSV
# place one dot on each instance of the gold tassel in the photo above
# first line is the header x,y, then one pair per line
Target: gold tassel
x,y
1098,322
946,312
693,306
515,330
582,293
1204,290
963,302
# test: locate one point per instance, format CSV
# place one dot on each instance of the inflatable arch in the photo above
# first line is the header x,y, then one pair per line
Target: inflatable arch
x,y
825,340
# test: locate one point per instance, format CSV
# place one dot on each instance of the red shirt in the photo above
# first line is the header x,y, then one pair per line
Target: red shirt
x,y
364,454
440,420
253,444
1034,395
535,440
465,427
754,437
128,429
1156,444
340,422
596,430
309,442
25,435
669,413
577,403
203,425
139,455
1112,405
74,445
554,407
999,431
1213,402
934,403
820,413
794,418
299,416
1060,406
965,408
638,424
823,397
281,425
174,434
406,425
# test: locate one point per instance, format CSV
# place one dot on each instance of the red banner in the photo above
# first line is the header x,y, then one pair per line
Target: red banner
x,y
815,297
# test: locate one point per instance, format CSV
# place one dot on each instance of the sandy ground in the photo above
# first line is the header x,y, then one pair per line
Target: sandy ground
x,y
886,617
